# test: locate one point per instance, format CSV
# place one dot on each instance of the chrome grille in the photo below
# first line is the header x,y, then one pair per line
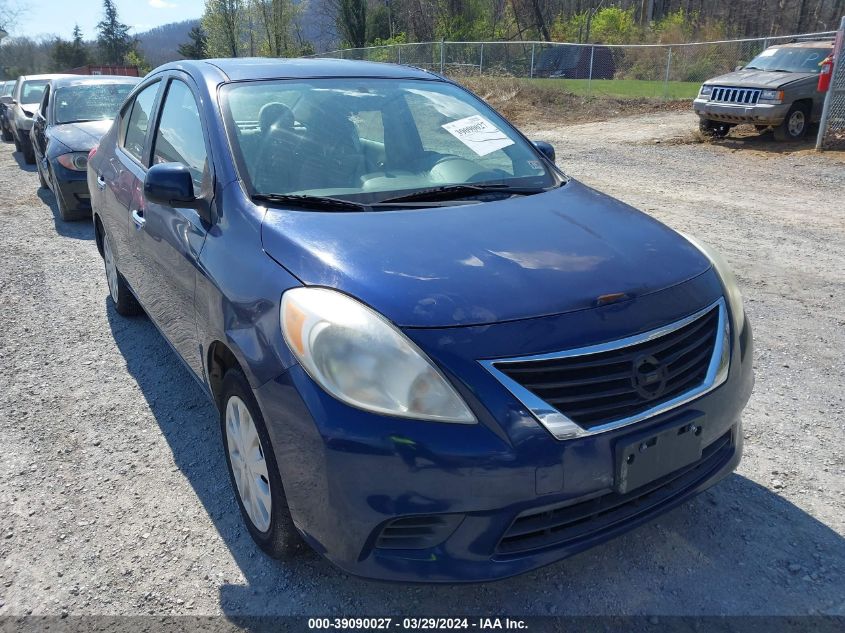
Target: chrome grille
x,y
601,387
742,96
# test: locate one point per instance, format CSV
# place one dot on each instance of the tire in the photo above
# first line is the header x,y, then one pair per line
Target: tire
x,y
124,301
7,135
28,154
258,482
714,129
18,146
795,124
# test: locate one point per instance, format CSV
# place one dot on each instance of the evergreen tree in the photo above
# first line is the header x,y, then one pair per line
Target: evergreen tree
x,y
197,46
113,36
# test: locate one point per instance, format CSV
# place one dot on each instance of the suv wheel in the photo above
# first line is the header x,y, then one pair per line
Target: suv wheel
x,y
7,135
253,470
716,129
795,124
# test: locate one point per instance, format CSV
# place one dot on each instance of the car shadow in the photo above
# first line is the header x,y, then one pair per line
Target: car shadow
x,y
735,549
19,159
78,229
747,138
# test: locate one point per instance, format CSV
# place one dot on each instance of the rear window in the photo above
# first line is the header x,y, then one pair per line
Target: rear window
x,y
33,90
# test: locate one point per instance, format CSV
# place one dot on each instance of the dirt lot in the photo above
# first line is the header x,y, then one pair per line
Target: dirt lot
x,y
112,480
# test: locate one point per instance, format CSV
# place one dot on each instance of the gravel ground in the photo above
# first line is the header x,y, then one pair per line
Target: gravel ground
x,y
112,481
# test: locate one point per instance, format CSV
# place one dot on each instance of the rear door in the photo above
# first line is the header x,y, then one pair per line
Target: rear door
x,y
171,238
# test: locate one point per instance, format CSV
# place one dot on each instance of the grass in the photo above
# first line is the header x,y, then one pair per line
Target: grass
x,y
619,88
573,100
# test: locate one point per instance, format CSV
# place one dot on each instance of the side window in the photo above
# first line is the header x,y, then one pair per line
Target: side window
x,y
135,132
179,138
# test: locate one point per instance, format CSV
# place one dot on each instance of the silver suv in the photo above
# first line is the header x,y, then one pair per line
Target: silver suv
x,y
26,96
776,89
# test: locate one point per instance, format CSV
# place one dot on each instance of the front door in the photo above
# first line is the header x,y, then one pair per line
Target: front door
x,y
171,239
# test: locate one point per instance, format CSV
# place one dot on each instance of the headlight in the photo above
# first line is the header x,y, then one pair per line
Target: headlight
x,y
732,292
76,161
771,96
362,359
705,91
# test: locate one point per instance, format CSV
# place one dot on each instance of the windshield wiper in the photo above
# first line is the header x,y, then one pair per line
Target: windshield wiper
x,y
456,191
311,202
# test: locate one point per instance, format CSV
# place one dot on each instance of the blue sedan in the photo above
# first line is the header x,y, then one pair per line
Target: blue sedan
x,y
435,356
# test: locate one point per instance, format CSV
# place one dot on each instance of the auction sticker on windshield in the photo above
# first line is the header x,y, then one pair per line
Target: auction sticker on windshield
x,y
477,133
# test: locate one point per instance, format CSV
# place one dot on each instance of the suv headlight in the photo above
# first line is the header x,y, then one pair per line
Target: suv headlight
x,y
726,276
362,359
705,91
771,96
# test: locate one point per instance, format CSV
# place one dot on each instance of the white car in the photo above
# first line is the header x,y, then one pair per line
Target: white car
x,y
26,96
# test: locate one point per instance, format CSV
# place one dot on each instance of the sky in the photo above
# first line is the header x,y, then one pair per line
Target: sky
x,y
57,17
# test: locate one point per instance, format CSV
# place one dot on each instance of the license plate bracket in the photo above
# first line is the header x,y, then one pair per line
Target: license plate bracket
x,y
647,456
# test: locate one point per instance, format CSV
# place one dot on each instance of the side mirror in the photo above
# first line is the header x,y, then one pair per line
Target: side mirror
x,y
737,68
172,185
546,149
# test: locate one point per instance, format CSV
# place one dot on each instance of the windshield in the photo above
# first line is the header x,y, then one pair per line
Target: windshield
x,y
33,90
92,102
368,140
793,60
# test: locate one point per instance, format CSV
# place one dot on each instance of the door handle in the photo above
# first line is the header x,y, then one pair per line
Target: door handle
x,y
138,218
101,183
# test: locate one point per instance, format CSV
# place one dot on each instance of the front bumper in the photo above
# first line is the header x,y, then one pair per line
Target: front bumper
x,y
349,474
757,114
71,186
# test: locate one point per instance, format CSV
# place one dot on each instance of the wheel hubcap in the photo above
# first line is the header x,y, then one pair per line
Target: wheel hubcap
x,y
111,268
796,123
246,455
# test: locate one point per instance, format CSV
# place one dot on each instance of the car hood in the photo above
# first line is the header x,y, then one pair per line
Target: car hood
x,y
80,137
484,263
757,79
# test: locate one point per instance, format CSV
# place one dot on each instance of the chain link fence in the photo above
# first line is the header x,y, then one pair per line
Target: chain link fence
x,y
665,71
832,125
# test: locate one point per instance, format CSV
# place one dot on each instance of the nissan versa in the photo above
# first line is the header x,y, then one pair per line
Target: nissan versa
x,y
434,355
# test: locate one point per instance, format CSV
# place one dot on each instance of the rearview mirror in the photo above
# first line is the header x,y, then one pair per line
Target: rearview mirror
x,y
172,185
546,149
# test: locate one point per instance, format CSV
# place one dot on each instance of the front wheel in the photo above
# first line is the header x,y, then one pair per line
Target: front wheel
x,y
253,470
7,135
794,126
124,301
715,129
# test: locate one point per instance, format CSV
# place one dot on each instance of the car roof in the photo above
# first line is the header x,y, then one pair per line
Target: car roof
x,y
246,68
48,76
85,80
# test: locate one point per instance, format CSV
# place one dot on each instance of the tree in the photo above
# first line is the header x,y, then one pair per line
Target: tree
x,y
223,21
197,46
275,18
113,36
352,22
134,58
70,54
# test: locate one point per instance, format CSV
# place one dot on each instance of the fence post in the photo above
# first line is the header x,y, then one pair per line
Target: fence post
x,y
532,62
590,78
398,54
666,77
481,59
441,56
838,52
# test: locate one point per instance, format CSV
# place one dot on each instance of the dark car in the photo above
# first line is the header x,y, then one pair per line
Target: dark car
x,y
73,115
435,357
6,88
570,61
